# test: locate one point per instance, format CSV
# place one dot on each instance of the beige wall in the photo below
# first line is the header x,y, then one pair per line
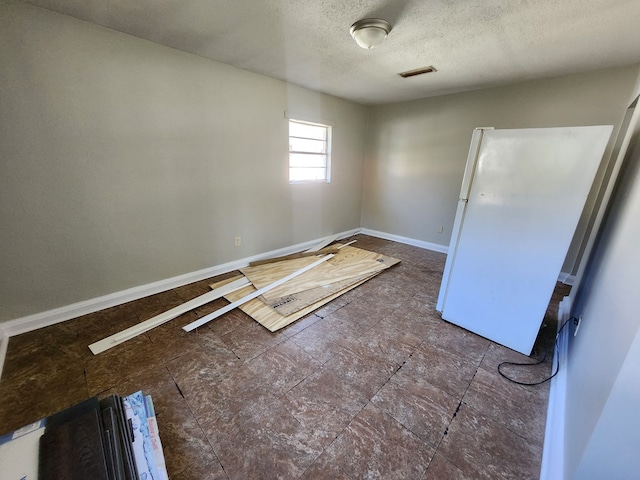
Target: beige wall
x,y
603,378
417,150
124,162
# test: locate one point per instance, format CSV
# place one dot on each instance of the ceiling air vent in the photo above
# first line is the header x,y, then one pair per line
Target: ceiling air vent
x,y
417,71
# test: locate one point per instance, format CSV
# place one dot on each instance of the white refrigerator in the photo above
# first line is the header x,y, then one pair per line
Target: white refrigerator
x,y
522,194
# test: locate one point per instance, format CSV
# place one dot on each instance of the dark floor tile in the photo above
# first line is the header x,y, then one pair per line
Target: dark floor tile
x,y
383,342
227,323
251,341
418,405
230,402
497,354
358,317
153,305
324,468
200,363
193,290
273,445
383,299
107,369
54,346
96,326
451,338
395,340
440,368
374,445
333,305
171,338
324,403
211,342
414,319
325,338
363,367
442,469
299,325
521,409
215,305
39,394
207,467
482,448
282,367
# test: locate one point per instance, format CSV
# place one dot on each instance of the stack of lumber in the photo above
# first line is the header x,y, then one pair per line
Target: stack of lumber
x,y
276,292
280,306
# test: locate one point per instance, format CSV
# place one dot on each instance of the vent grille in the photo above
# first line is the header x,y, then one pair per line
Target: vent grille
x,y
417,71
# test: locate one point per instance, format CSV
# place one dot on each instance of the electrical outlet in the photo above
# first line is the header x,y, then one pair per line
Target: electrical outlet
x,y
238,241
577,323
440,229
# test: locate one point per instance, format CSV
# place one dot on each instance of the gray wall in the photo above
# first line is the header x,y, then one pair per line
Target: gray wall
x,y
123,162
418,150
602,421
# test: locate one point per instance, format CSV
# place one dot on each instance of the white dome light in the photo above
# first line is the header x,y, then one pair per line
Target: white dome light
x,y
370,32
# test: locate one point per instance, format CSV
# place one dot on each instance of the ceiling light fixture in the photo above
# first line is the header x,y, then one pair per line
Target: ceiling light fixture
x,y
370,32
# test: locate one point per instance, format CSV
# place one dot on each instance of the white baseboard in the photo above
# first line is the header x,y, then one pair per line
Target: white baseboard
x,y
552,467
61,314
409,241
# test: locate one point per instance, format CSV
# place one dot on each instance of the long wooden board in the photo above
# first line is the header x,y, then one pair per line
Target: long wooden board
x,y
295,302
324,277
272,320
293,256
225,287
251,296
323,243
348,263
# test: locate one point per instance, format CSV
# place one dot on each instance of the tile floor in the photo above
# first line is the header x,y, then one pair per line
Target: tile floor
x,y
373,385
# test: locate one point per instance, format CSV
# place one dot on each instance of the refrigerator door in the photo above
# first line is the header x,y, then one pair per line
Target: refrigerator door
x,y
526,192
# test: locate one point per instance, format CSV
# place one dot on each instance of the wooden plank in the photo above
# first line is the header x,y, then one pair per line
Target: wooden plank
x,y
271,319
346,244
257,293
293,256
297,301
226,287
323,243
264,275
348,263
325,276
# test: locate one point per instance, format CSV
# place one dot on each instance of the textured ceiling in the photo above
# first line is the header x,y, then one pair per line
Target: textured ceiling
x,y
472,44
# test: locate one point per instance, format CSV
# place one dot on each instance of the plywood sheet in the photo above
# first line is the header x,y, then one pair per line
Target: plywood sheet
x,y
323,251
348,263
327,276
253,295
266,274
349,268
268,317
297,301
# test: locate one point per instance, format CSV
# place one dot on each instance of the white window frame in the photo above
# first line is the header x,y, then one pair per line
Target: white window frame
x,y
327,140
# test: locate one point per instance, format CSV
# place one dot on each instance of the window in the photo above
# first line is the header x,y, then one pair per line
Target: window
x,y
309,152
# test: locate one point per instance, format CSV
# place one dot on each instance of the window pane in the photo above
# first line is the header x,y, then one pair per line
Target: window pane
x,y
307,174
304,160
307,131
304,145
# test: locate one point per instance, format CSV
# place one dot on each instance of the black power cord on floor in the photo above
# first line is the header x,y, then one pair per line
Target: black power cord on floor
x,y
544,357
